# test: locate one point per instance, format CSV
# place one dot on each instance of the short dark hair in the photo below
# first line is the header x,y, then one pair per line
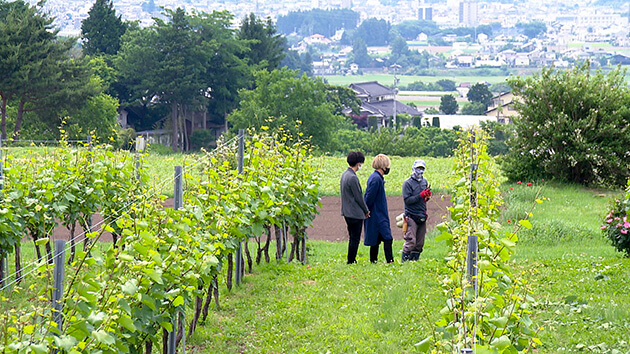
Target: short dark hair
x,y
355,157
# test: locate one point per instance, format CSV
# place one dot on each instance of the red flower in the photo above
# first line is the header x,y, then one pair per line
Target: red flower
x,y
511,188
519,182
529,184
509,220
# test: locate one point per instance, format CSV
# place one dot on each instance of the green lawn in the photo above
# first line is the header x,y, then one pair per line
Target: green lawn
x,y
388,79
578,281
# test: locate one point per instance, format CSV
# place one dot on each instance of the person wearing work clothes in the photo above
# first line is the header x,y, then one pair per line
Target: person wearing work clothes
x,y
377,227
353,207
416,193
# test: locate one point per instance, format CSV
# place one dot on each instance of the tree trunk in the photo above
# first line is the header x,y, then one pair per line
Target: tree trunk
x,y
278,230
180,330
259,249
164,341
175,126
3,113
184,130
2,271
148,347
214,287
197,312
266,248
303,253
38,252
204,312
72,243
230,267
49,252
88,229
18,120
18,264
249,258
293,248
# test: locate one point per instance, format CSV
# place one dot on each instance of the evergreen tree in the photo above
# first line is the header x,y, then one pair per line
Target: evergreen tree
x,y
102,29
374,32
40,75
186,61
360,54
448,104
266,46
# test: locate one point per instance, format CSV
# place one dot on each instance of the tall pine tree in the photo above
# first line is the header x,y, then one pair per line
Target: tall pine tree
x,y
102,29
266,46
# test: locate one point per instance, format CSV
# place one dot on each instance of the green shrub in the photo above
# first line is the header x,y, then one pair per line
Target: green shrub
x,y
126,139
160,149
201,138
499,133
616,226
573,126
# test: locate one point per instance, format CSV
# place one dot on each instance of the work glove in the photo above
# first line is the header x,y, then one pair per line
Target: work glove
x,y
426,194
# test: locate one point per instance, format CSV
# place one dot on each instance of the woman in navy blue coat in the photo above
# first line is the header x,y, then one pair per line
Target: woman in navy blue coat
x,y
377,228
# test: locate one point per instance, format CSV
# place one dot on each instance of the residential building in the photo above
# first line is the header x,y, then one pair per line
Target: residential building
x,y
502,108
378,101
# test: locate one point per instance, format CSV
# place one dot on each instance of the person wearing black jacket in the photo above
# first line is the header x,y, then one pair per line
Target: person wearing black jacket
x,y
353,207
416,192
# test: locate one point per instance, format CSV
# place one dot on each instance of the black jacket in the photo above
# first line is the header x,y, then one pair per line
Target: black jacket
x,y
414,203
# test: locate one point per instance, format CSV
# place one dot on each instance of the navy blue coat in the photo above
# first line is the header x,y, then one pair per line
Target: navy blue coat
x,y
376,201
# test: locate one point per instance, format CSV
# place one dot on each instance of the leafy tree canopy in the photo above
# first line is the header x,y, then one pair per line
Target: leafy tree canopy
x,y
574,126
532,29
480,93
303,62
411,29
474,108
374,32
360,54
317,21
296,104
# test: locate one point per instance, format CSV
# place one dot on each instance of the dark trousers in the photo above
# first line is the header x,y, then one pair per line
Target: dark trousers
x,y
414,237
387,248
354,230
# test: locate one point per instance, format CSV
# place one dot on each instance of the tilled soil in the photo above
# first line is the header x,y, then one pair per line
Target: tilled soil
x,y
328,225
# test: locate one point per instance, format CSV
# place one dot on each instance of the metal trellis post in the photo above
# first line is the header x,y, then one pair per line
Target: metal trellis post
x,y
239,251
57,294
473,241
178,201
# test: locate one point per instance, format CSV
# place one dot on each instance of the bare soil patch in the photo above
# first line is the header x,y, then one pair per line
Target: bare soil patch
x,y
329,225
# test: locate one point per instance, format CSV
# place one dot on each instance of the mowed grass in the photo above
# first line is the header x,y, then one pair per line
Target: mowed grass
x,y
578,281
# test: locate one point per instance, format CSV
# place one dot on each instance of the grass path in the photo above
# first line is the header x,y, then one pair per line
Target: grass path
x,y
578,281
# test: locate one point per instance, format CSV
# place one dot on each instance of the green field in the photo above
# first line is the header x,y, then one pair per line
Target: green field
x,y
578,281
388,79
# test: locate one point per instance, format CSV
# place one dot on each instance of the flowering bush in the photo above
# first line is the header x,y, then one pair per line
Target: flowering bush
x,y
617,223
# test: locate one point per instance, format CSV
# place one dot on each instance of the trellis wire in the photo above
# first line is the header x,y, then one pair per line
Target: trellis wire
x,y
80,237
